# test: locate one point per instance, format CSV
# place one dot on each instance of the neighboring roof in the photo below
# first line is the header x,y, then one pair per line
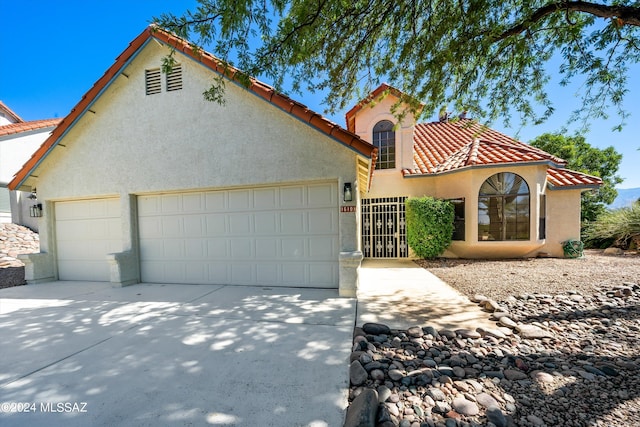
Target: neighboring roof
x,y
451,145
21,127
260,89
379,91
9,113
565,178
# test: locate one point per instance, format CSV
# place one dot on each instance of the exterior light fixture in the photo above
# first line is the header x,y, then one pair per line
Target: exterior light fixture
x,y
347,193
35,211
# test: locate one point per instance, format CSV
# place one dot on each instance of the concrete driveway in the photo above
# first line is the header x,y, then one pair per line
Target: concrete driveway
x,y
79,354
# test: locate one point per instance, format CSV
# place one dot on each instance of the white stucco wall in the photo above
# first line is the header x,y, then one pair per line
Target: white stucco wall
x,y
134,143
16,149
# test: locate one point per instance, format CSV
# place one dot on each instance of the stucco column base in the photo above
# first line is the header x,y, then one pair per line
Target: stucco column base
x,y
123,268
38,267
349,264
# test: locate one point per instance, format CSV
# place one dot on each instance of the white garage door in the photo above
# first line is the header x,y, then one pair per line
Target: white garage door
x,y
86,231
276,236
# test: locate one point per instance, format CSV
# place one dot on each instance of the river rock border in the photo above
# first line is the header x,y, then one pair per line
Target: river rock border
x,y
568,359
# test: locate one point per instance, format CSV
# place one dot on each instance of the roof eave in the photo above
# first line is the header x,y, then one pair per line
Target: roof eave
x,y
264,91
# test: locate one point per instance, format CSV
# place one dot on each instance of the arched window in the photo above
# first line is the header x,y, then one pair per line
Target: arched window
x,y
503,208
385,139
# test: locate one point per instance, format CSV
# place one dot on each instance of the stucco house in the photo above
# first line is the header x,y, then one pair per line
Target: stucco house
x,y
145,181
511,199
19,139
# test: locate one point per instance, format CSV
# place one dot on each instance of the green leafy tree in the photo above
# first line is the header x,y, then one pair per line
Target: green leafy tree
x,y
488,57
583,157
429,225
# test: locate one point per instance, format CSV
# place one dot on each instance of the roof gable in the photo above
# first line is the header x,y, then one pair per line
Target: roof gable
x,y
23,127
380,92
264,91
9,113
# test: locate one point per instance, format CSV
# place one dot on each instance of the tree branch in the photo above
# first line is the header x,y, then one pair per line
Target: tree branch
x,y
625,15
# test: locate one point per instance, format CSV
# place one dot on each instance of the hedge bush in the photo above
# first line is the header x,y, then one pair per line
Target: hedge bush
x,y
429,225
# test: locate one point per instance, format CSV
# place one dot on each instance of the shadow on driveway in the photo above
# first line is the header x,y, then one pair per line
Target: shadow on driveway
x,y
87,354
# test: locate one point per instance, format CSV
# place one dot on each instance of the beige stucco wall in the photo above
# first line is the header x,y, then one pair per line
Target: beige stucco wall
x,y
132,143
563,219
562,212
371,114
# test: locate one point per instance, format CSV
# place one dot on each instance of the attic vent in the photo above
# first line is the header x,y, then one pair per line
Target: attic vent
x,y
174,78
152,81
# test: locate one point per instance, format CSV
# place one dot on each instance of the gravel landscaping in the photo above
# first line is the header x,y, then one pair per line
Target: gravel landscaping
x,y
500,279
565,350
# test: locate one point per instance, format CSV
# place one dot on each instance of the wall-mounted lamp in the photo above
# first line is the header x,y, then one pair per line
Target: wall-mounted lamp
x,y
347,193
33,195
35,211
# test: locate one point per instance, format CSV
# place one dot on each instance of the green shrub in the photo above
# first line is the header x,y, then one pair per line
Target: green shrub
x,y
619,227
429,225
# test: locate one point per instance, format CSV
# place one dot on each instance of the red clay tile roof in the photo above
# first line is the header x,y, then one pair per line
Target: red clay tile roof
x,y
265,91
567,178
446,146
7,111
21,127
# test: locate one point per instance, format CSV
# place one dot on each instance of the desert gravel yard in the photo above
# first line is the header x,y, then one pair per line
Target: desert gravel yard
x,y
499,279
565,350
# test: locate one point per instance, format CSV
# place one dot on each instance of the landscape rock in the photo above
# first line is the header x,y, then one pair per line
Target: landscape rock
x,y
363,410
572,361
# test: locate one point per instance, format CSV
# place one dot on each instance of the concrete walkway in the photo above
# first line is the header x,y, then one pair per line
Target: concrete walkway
x,y
401,294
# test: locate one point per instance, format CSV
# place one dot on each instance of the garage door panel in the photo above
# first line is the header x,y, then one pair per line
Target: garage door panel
x,y
218,248
172,226
322,221
215,224
267,249
86,232
322,195
323,248
293,273
292,222
292,197
240,223
264,236
267,273
239,200
322,272
193,226
84,270
265,223
242,248
265,199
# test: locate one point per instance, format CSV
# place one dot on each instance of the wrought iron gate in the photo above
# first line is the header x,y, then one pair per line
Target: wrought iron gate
x,y
384,233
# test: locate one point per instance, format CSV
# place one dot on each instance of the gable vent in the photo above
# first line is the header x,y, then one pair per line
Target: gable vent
x,y
152,81
174,78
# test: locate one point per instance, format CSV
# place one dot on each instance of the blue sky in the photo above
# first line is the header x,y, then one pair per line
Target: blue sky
x,y
53,52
